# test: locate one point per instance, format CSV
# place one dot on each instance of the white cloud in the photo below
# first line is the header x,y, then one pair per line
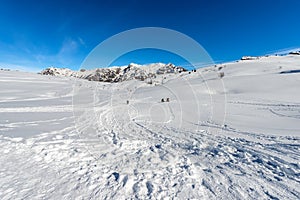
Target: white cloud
x,y
67,52
68,55
68,46
81,41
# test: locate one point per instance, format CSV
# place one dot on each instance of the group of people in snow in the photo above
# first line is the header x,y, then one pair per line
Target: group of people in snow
x,y
162,100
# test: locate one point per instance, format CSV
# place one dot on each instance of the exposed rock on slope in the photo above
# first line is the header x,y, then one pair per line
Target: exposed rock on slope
x,y
295,53
250,58
118,74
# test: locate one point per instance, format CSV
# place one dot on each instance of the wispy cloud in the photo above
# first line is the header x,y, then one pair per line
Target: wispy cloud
x,y
68,51
18,67
69,46
82,42
34,59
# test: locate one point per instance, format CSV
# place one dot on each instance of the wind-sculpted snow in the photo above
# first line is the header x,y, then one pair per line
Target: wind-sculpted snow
x,y
235,137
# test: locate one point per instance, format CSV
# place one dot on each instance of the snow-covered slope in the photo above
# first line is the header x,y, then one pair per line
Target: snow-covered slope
x,y
235,137
147,73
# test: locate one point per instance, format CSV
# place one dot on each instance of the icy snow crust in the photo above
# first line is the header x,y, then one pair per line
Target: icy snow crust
x,y
235,137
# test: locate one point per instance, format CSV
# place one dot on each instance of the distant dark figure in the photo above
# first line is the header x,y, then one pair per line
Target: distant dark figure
x,y
221,74
168,99
127,102
162,100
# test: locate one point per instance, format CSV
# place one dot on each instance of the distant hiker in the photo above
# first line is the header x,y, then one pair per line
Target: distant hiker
x,y
162,100
221,74
168,99
127,102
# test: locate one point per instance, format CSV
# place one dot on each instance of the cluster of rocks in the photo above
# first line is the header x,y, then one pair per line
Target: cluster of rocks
x,y
295,53
118,74
2,69
57,71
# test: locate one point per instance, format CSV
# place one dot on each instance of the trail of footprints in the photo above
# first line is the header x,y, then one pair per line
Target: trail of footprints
x,y
193,166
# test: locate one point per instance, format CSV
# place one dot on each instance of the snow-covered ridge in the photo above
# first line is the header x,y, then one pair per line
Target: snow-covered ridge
x,y
118,74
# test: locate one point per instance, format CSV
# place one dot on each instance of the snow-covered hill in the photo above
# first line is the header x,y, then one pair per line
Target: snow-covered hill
x,y
229,131
147,73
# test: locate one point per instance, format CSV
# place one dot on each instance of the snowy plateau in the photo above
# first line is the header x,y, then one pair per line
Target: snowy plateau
x,y
228,131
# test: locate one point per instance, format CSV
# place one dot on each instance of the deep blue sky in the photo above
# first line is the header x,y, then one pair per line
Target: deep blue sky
x,y
38,34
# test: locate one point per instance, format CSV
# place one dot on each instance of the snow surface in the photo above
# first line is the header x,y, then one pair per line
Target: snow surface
x,y
235,137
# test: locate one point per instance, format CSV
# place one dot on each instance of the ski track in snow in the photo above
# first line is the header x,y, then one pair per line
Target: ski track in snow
x,y
110,154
